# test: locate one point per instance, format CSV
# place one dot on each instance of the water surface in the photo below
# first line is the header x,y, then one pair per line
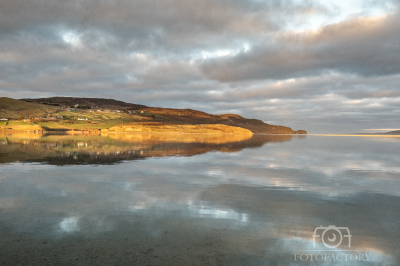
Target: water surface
x,y
186,199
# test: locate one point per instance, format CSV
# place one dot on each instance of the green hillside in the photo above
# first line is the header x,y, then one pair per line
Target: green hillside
x,y
14,109
94,114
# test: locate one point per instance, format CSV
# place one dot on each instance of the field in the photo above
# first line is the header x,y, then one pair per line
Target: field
x,y
52,125
80,119
21,126
92,114
71,121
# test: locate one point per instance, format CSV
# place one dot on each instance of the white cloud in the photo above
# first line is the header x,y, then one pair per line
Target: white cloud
x,y
71,38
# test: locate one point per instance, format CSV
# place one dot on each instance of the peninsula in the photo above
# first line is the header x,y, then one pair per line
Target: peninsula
x,y
95,115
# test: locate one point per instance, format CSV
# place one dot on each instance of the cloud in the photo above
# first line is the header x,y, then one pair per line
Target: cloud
x,y
363,46
153,21
307,64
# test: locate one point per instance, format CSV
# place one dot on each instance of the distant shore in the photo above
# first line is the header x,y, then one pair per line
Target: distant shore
x,y
354,135
95,115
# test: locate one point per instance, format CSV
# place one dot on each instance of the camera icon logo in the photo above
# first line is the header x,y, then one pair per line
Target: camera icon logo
x,y
332,236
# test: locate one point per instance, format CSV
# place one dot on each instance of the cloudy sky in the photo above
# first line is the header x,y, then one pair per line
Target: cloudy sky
x,y
322,66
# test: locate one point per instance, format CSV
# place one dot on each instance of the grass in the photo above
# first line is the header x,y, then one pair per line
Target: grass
x,y
95,120
75,115
93,116
21,126
100,125
52,125
11,108
82,125
19,123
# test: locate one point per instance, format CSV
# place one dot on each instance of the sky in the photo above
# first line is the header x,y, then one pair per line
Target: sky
x,y
321,66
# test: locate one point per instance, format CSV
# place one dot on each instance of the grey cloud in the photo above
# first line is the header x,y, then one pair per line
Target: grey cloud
x,y
348,86
150,52
364,46
135,19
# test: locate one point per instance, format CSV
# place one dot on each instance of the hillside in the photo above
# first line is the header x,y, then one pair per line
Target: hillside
x,y
93,114
395,132
14,109
202,128
92,102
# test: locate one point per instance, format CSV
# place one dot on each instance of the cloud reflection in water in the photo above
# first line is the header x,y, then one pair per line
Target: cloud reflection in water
x,y
260,205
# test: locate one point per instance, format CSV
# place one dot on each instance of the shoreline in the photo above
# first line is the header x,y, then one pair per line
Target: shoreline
x,y
353,135
99,132
76,132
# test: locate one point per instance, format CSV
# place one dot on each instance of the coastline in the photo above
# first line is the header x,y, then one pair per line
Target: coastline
x,y
353,135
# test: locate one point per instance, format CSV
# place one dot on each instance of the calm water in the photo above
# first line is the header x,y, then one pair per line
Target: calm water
x,y
199,200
